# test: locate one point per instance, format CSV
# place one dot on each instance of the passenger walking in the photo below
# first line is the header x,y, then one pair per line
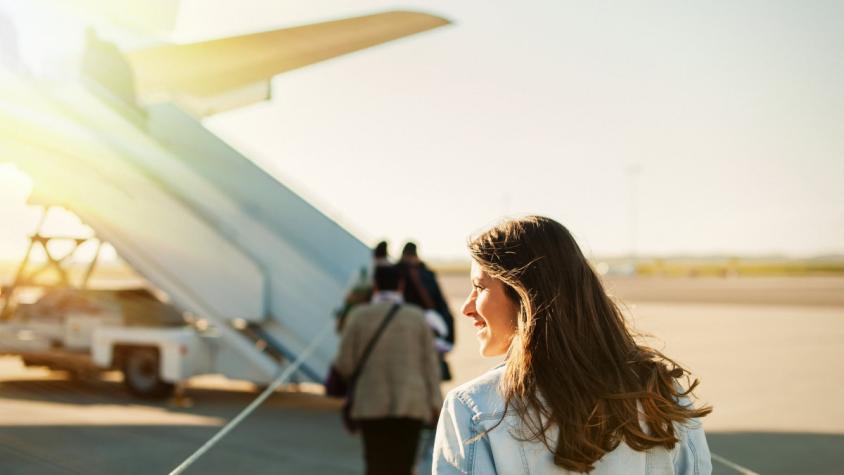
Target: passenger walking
x,y
398,388
576,392
361,291
380,255
422,289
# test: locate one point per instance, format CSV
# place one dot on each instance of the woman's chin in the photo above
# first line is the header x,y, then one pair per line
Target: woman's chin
x,y
490,349
487,351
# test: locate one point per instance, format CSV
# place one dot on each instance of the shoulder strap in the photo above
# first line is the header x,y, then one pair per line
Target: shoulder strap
x,y
371,344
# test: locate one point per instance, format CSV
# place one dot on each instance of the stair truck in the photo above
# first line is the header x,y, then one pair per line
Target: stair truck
x,y
256,269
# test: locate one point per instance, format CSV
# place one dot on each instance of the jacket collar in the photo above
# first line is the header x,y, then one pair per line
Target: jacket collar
x,y
387,296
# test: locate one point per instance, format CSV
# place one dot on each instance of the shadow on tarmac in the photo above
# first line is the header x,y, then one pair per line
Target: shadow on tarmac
x,y
290,433
95,391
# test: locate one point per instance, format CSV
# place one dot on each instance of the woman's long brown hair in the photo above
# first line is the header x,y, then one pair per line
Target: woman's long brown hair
x,y
573,364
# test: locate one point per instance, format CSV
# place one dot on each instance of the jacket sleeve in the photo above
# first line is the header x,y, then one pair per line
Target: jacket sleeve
x,y
692,454
453,447
431,365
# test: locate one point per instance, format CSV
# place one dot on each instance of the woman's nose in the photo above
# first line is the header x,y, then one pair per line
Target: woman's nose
x,y
468,308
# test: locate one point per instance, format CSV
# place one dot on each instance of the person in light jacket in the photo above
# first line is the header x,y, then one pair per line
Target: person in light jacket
x,y
399,387
576,392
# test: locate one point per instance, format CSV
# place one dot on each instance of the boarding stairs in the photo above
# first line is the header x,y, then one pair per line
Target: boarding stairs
x,y
200,221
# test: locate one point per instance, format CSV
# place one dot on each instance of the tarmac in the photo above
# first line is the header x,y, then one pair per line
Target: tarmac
x,y
769,359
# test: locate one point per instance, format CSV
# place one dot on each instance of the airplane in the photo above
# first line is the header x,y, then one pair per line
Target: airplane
x,y
122,145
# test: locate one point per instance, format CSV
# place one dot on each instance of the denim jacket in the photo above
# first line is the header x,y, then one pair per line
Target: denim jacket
x,y
477,406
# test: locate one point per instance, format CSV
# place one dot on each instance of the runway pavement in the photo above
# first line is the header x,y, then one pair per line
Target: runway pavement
x,y
55,426
771,369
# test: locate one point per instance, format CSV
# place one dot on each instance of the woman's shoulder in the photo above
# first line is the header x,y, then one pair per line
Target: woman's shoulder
x,y
481,396
481,384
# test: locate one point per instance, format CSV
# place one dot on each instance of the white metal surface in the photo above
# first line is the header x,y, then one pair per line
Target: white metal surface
x,y
308,258
183,352
79,329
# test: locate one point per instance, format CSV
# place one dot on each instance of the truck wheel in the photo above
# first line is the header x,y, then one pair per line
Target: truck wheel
x,y
141,373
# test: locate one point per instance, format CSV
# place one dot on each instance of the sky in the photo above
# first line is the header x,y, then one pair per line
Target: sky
x,y
661,127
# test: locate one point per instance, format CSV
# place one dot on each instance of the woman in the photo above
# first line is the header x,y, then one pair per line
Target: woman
x,y
576,392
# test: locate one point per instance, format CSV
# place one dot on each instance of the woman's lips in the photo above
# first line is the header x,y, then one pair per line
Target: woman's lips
x,y
479,324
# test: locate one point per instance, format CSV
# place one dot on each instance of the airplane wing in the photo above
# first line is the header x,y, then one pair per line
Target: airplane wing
x,y
217,75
